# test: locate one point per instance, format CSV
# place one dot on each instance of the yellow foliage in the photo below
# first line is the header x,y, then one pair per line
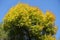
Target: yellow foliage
x,y
33,20
50,15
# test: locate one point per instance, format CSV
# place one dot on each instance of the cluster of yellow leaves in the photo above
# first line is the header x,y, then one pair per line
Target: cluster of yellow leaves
x,y
21,9
50,16
24,15
35,29
48,37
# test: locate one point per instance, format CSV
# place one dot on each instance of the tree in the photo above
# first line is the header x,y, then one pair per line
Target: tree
x,y
29,23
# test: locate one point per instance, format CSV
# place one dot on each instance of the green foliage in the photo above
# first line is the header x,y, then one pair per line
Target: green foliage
x,y
3,34
28,21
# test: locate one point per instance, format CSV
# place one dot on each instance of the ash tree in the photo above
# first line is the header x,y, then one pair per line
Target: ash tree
x,y
24,22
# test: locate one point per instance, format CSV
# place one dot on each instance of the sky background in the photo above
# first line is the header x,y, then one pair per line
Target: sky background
x,y
52,5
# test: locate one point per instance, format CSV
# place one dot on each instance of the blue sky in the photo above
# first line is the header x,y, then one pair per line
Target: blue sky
x,y
52,5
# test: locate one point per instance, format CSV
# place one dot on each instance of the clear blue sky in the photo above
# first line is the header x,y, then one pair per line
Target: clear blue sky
x,y
52,5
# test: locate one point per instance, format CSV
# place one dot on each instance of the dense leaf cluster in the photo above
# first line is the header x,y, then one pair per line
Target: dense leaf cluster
x,y
30,23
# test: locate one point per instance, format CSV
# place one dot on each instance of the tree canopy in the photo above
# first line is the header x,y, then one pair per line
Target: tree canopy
x,y
30,23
